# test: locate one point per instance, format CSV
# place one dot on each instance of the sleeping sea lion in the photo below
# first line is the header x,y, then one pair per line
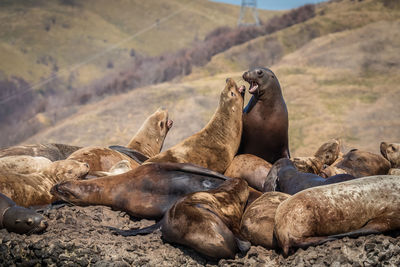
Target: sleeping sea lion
x,y
391,151
53,152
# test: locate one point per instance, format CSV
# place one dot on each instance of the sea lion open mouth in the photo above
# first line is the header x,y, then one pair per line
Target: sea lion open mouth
x,y
253,86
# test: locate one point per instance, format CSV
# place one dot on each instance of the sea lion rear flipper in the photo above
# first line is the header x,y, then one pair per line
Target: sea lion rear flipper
x,y
139,231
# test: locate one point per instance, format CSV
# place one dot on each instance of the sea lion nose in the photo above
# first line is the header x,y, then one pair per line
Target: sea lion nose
x,y
245,75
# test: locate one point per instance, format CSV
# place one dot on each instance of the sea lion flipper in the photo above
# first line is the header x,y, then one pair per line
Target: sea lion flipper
x,y
195,169
242,245
133,154
138,231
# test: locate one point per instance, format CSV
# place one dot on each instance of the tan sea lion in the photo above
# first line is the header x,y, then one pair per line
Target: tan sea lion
x,y
121,167
216,144
368,205
148,140
258,220
27,180
265,118
359,164
53,152
391,151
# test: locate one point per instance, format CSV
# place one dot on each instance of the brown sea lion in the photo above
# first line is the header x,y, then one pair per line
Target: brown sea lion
x,y
394,171
391,151
258,220
216,144
147,191
359,164
53,152
265,118
251,168
148,140
121,167
27,180
368,205
290,181
208,221
19,219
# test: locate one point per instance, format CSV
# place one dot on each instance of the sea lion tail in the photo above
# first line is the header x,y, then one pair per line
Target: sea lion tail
x,y
138,231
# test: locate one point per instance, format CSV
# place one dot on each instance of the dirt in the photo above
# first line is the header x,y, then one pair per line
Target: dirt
x,y
78,236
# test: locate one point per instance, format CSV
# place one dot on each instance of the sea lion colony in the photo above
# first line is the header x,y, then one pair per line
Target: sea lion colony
x,y
219,190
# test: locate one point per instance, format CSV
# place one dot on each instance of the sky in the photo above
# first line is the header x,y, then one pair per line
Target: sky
x,y
275,4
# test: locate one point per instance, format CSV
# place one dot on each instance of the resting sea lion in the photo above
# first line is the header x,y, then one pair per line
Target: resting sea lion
x,y
147,191
27,180
19,219
368,205
359,164
148,140
290,181
216,144
120,167
391,151
265,118
53,152
258,220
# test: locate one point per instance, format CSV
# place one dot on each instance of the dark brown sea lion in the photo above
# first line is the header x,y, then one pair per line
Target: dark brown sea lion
x,y
290,181
53,152
216,144
148,140
391,151
208,221
147,191
19,219
27,180
368,205
251,168
258,220
265,118
359,164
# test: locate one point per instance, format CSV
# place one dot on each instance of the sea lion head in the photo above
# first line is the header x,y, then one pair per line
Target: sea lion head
x,y
271,181
391,151
260,79
23,221
232,93
77,193
163,124
328,152
69,169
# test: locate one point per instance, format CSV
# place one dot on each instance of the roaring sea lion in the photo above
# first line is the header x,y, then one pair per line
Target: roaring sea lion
x,y
53,152
27,180
265,118
368,205
148,140
208,221
251,168
258,220
290,181
391,151
147,191
359,164
19,219
216,144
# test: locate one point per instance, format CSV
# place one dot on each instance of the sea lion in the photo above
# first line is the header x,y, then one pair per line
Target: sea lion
x,y
391,151
19,219
258,220
394,171
359,164
207,221
148,140
216,144
147,191
265,118
368,205
251,168
121,167
27,180
53,152
290,181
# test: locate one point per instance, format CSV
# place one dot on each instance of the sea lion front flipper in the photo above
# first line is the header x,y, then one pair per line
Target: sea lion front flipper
x,y
242,245
133,154
192,168
137,231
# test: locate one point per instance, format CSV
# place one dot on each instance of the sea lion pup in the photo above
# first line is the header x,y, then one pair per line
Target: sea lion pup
x,y
148,140
258,220
265,118
251,168
207,221
53,152
290,181
27,180
368,205
147,191
19,219
216,144
391,152
325,155
359,164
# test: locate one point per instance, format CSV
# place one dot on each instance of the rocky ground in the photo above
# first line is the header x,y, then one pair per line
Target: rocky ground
x,y
77,236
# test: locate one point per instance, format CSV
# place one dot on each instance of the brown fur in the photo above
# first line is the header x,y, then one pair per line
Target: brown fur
x,y
391,151
258,220
53,152
316,215
216,144
27,180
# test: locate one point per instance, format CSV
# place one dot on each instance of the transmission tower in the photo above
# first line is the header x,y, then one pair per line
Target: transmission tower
x,y
248,6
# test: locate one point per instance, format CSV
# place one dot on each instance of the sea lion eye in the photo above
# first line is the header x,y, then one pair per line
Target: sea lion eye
x,y
29,221
259,72
233,94
162,124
